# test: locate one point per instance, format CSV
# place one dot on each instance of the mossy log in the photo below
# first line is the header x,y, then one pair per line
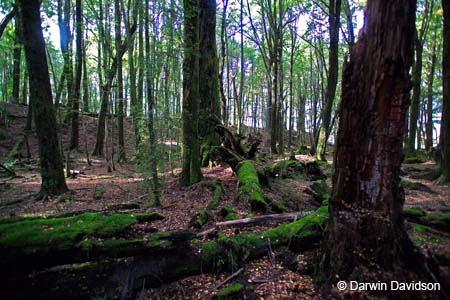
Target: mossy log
x,y
439,221
33,243
122,278
293,168
249,187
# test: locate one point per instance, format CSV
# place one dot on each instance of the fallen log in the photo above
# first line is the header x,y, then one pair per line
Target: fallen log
x,y
249,188
264,219
33,243
114,278
440,221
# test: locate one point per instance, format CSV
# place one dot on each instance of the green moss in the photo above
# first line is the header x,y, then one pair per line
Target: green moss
x,y
232,292
31,235
440,220
98,193
231,216
412,213
414,160
249,186
420,228
286,169
241,247
201,218
278,207
322,191
216,196
408,184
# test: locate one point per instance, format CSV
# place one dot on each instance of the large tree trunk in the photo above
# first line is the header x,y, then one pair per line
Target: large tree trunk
x,y
209,114
53,181
445,117
191,172
365,233
333,71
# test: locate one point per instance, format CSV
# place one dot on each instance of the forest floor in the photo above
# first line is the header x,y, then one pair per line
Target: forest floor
x,y
96,189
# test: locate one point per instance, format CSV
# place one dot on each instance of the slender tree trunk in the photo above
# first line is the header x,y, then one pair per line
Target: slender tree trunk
x,y
151,105
430,82
74,137
333,71
223,54
415,101
53,181
445,117
85,78
118,31
17,55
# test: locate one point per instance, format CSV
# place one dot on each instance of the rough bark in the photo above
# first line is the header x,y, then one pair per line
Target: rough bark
x,y
119,94
445,117
191,172
365,231
53,181
209,113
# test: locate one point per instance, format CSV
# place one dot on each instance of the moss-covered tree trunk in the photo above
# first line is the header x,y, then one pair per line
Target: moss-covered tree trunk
x,y
366,232
53,181
333,71
209,114
445,117
191,172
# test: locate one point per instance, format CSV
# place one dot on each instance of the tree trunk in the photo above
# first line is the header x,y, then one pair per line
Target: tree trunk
x,y
365,232
429,109
151,106
53,181
445,117
209,114
223,54
74,136
191,172
415,101
17,60
333,71
118,32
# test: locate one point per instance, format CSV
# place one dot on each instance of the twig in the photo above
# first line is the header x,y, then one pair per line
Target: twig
x,y
230,277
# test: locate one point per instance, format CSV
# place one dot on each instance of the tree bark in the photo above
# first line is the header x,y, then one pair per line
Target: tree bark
x,y
209,113
120,113
365,232
445,117
74,136
191,172
53,181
